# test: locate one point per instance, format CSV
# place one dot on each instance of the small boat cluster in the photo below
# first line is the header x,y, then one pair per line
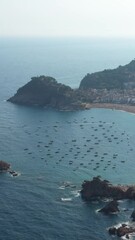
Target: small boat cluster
x,y
79,144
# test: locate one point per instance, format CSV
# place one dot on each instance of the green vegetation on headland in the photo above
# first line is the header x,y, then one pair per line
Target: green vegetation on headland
x,y
119,78
46,92
115,86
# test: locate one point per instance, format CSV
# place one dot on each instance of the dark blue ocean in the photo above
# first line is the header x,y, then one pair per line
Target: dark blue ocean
x,y
54,152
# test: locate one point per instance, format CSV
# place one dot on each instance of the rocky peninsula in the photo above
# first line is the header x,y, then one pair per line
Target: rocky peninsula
x,y
113,89
46,92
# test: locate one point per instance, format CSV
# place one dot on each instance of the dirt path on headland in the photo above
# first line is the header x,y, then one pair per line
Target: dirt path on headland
x,y
122,107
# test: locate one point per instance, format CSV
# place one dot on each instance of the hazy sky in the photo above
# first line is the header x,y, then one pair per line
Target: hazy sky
x,y
67,18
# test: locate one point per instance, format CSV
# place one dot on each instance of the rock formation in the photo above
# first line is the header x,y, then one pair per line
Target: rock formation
x,y
111,207
4,166
123,230
98,188
46,92
133,215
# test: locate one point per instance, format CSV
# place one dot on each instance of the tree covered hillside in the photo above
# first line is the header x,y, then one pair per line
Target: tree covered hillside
x,y
119,78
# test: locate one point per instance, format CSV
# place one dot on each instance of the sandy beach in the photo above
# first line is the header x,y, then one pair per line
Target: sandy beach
x,y
122,107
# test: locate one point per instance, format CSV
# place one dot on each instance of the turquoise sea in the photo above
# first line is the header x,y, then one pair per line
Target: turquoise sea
x,y
54,152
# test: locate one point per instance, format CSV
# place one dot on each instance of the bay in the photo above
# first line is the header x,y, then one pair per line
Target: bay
x,y
54,152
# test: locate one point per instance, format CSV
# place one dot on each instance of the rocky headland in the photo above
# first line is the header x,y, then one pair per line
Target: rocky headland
x,y
46,92
106,89
122,77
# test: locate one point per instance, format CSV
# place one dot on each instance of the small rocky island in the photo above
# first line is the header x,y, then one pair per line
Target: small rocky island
x,y
124,230
99,189
113,88
4,166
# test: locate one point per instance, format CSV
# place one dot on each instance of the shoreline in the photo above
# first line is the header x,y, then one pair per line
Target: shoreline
x,y
120,107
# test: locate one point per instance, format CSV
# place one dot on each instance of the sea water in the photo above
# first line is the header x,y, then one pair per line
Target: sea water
x,y
54,152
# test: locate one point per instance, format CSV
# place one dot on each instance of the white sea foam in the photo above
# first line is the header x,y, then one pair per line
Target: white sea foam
x,y
15,174
97,210
66,199
129,235
62,187
66,184
120,224
120,201
107,199
76,193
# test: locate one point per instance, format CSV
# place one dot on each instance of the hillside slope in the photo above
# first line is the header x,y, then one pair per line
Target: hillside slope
x,y
122,77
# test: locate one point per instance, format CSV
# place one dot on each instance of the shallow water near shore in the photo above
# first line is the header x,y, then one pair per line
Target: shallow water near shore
x,y
54,152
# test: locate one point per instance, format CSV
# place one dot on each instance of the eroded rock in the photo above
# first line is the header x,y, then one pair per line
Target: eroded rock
x,y
4,166
111,207
98,188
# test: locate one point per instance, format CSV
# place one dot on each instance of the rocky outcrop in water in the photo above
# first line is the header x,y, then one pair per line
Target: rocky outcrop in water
x,y
4,166
98,188
123,230
111,207
133,215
